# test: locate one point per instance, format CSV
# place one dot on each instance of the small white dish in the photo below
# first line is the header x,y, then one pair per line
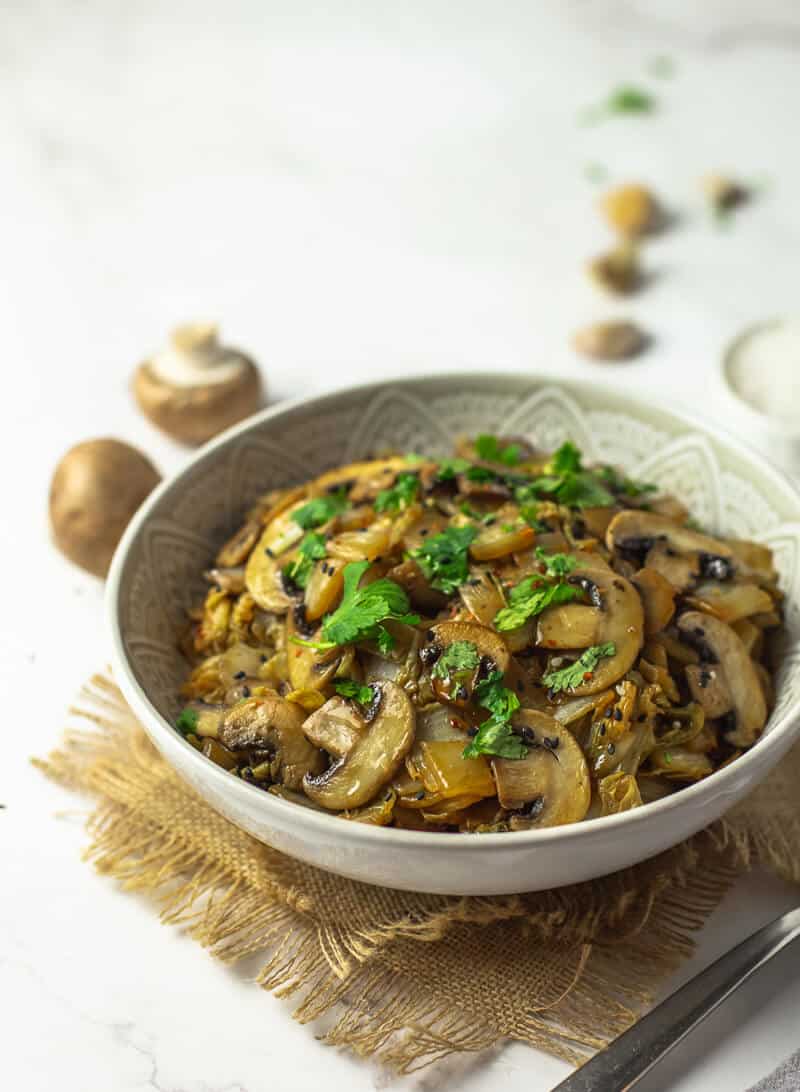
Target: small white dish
x,y
156,576
760,373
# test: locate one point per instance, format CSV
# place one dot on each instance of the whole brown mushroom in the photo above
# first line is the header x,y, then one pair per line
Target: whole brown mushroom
x,y
96,488
196,388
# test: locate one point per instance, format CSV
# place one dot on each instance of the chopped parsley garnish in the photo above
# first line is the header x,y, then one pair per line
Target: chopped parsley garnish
x,y
362,610
451,468
480,474
537,592
401,494
488,448
625,99
558,565
574,674
461,657
443,558
567,482
620,483
187,721
320,509
496,736
356,691
312,548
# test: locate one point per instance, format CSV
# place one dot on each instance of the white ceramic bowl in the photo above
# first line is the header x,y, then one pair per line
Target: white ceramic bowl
x,y
156,575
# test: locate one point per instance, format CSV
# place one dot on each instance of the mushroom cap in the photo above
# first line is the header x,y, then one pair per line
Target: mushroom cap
x,y
554,774
749,705
194,414
354,778
95,490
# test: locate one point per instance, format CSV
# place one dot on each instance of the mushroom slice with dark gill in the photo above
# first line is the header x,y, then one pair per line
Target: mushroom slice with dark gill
x,y
720,645
680,554
620,622
490,649
357,776
271,724
551,785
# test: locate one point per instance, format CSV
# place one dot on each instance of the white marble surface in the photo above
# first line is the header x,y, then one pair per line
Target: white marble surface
x,y
352,188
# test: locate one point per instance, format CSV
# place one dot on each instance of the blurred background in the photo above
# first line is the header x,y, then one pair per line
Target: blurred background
x,y
352,189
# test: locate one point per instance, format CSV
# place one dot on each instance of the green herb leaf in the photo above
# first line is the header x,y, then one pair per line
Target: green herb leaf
x,y
566,459
567,482
574,674
539,591
559,565
320,509
356,691
622,100
361,610
459,657
623,485
187,721
400,495
527,600
443,558
312,548
450,468
496,736
480,474
488,448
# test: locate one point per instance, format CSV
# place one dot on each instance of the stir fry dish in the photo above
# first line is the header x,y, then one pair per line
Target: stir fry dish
x,y
498,641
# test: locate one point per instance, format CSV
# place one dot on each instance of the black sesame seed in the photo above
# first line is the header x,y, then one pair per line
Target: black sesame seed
x,y
246,691
240,675
617,714
611,748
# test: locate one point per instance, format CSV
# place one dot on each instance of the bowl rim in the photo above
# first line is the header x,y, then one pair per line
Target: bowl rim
x,y
329,824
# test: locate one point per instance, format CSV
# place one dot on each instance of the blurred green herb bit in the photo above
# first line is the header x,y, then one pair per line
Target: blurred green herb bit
x,y
625,99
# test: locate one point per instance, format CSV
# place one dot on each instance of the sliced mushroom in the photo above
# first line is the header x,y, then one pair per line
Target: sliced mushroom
x,y
709,689
367,544
551,785
573,625
730,602
678,553
620,621
336,727
264,570
230,581
658,599
324,588
410,576
364,479
239,546
721,645
502,538
488,643
356,777
308,669
493,654
271,724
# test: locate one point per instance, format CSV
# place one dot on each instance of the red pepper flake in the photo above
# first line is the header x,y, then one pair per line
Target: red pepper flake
x,y
587,675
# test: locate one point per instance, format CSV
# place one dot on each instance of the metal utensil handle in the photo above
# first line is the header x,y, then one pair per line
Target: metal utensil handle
x,y
631,1055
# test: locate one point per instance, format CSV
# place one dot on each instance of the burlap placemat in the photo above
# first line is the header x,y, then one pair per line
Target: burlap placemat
x,y
411,978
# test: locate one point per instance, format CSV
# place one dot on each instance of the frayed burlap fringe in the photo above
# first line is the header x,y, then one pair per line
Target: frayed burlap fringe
x,y
411,978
